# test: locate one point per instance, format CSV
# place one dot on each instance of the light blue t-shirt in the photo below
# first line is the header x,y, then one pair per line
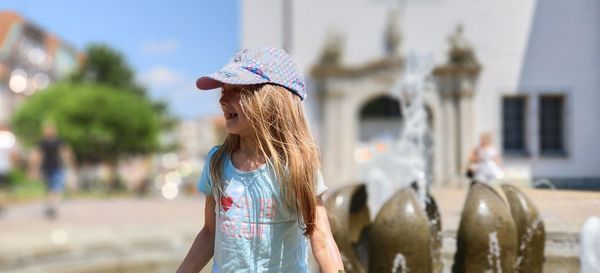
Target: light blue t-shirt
x,y
254,230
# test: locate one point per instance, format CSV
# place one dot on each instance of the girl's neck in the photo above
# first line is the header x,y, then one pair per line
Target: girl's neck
x,y
248,146
248,156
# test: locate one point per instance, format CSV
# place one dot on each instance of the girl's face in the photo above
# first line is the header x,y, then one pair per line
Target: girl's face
x,y
236,121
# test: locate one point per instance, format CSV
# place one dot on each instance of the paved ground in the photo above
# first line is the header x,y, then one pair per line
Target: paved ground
x,y
170,225
150,232
23,226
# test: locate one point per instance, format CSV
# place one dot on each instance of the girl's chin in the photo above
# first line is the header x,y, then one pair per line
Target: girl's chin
x,y
237,131
232,129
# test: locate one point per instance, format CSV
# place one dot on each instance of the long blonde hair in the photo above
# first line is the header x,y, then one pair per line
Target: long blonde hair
x,y
277,118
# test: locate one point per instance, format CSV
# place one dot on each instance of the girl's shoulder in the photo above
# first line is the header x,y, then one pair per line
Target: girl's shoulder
x,y
213,150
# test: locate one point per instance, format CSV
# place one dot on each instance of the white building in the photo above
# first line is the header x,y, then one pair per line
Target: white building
x,y
31,59
537,90
196,137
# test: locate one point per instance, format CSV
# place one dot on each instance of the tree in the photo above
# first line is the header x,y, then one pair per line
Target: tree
x,y
101,123
106,66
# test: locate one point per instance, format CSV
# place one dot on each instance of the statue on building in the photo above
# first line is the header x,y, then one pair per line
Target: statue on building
x,y
461,51
332,52
392,34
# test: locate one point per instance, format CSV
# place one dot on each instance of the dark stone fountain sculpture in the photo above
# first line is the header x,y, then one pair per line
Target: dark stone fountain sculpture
x,y
487,236
350,219
531,234
493,236
400,238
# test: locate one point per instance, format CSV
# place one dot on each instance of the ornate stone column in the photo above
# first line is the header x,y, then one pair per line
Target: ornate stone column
x,y
456,80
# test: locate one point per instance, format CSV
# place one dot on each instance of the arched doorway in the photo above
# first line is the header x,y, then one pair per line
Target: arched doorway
x,y
380,119
380,123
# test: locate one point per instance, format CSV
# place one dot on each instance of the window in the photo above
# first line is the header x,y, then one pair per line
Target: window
x,y
552,125
513,125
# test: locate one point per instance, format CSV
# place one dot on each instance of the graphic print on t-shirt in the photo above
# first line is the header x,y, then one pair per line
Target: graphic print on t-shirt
x,y
245,215
226,203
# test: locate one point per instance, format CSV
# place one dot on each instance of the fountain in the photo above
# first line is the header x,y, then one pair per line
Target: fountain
x,y
590,246
403,162
405,234
397,174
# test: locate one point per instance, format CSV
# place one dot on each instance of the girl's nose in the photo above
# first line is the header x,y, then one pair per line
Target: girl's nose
x,y
223,100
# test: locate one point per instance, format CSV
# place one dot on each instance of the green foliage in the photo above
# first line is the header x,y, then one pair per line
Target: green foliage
x,y
100,123
106,66
23,188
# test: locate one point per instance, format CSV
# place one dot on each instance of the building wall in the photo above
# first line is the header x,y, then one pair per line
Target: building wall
x,y
197,137
29,52
521,45
498,32
563,57
425,26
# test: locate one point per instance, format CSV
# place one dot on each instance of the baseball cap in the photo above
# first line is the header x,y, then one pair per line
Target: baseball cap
x,y
258,66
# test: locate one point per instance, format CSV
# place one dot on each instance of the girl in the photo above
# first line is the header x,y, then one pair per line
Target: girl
x,y
263,183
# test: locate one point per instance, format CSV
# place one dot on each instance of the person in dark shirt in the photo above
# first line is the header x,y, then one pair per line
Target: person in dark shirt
x,y
50,158
8,160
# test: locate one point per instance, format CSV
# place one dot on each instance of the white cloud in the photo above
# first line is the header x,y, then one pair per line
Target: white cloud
x,y
160,47
161,76
180,93
192,103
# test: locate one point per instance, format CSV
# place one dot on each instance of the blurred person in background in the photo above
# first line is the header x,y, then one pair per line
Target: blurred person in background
x,y
50,158
484,161
8,158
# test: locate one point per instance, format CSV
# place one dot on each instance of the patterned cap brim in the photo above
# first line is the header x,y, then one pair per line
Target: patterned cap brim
x,y
230,74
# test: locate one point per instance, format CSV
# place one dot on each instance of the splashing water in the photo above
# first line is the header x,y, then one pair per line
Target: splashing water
x,y
399,263
494,253
526,239
404,161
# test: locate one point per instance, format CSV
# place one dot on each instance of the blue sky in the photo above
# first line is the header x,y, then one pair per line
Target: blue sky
x,y
168,43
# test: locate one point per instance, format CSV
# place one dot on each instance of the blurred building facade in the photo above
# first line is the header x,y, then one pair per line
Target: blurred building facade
x,y
30,59
533,83
196,137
